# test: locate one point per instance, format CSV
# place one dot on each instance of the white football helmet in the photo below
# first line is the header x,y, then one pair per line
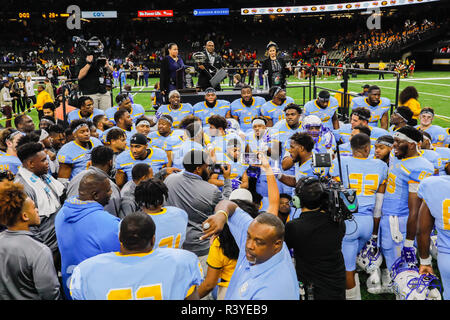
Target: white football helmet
x,y
369,258
408,284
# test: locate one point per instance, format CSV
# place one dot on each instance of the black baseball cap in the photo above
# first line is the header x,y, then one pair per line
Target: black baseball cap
x,y
138,138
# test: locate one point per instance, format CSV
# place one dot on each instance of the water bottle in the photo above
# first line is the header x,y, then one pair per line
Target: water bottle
x,y
302,290
310,292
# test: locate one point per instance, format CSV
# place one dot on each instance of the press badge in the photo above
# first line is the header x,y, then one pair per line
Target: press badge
x,y
101,80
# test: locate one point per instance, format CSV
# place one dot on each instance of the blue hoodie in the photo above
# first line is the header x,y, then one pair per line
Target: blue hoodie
x,y
83,230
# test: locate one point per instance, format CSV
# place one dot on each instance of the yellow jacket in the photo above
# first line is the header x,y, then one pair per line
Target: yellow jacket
x,y
42,98
414,106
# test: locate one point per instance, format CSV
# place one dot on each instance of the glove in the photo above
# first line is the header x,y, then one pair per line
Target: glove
x,y
235,183
409,255
372,244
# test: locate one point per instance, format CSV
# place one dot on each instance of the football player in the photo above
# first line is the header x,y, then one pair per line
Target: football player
x,y
211,106
368,177
378,106
436,132
125,275
246,108
175,109
73,157
434,212
325,108
401,203
171,222
139,152
272,110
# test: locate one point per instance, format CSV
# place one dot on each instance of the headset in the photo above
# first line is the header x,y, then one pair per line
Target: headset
x,y
303,182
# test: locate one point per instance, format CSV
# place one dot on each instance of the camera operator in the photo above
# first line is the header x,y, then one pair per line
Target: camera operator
x,y
92,80
317,241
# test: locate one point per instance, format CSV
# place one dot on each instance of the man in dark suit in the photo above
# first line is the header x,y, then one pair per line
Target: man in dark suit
x,y
208,69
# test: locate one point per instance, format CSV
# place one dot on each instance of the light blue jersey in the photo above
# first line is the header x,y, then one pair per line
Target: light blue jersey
x,y
177,115
255,144
171,224
345,131
180,151
401,174
128,134
9,162
346,150
444,157
162,274
435,192
325,114
437,133
136,111
275,112
237,168
220,143
202,111
377,112
156,158
274,279
76,115
247,113
74,154
166,143
447,138
366,175
434,158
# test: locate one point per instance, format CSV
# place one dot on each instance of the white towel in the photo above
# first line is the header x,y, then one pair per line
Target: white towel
x,y
47,190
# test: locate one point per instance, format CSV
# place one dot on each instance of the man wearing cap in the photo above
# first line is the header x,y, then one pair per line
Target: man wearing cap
x,y
246,108
365,91
436,132
401,204
401,117
272,110
325,108
378,106
139,152
358,117
74,156
190,190
211,106
123,102
86,110
42,98
175,108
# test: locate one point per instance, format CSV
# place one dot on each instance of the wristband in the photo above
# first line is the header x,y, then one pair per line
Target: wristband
x,y
426,261
409,243
224,212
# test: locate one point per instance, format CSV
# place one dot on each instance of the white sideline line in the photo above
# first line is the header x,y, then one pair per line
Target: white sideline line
x,y
436,84
368,80
421,92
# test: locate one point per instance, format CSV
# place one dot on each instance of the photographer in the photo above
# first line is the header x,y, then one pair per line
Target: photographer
x,y
317,242
91,80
